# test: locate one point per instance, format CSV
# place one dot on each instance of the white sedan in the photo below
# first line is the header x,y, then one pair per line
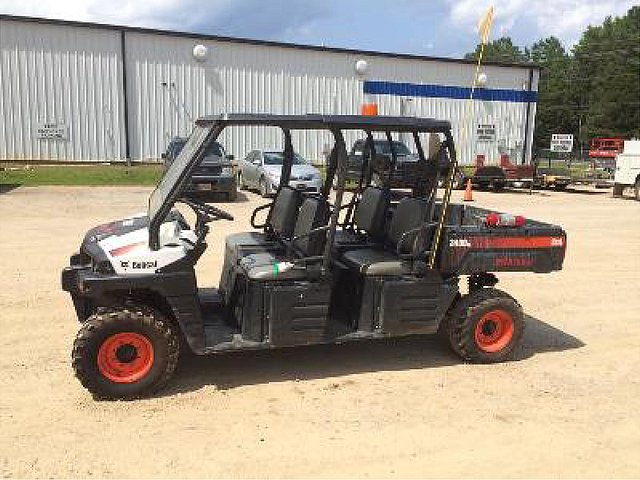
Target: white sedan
x,y
262,169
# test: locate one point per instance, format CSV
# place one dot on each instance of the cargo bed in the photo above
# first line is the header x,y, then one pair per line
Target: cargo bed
x,y
469,246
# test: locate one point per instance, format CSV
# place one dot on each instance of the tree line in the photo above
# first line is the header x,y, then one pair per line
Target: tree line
x,y
591,90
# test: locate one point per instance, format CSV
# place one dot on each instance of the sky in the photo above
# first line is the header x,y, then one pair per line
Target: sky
x,y
445,28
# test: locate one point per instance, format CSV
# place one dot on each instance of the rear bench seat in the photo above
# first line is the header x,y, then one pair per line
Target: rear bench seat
x,y
395,255
370,217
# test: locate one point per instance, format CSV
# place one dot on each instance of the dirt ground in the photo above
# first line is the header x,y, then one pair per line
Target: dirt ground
x,y
568,406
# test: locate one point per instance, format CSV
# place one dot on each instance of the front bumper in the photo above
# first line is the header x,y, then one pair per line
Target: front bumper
x,y
72,280
212,184
306,185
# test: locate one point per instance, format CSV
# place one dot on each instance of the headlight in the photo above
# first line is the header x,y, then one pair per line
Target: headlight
x,y
227,171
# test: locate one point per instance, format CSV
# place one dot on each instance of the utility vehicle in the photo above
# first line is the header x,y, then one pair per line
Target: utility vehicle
x,y
319,268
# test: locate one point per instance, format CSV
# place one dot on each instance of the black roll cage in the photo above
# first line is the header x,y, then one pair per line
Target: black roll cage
x,y
337,164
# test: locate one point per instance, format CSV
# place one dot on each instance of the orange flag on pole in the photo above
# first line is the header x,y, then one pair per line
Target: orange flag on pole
x,y
484,25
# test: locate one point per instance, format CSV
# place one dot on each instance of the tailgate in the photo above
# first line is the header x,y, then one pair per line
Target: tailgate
x,y
472,247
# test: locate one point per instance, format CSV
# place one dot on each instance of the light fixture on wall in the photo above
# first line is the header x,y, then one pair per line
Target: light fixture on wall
x,y
200,53
482,79
361,67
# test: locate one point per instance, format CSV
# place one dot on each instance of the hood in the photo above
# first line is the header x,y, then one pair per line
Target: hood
x,y
296,170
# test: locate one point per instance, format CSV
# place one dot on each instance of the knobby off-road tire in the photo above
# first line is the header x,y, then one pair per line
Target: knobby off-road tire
x,y
485,326
125,353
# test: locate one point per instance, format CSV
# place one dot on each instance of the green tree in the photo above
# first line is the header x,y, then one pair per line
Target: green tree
x,y
500,50
606,77
556,103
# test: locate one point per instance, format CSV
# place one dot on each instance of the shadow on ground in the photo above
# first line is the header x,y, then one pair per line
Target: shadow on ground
x,y
236,369
7,187
579,191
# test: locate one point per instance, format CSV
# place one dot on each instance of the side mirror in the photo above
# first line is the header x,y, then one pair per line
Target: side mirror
x,y
230,157
163,156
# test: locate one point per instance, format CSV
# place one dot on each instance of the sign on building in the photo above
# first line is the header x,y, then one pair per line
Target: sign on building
x,y
561,142
52,131
486,133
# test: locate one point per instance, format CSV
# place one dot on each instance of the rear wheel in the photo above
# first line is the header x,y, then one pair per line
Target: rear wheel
x,y
485,326
232,195
637,189
617,189
125,353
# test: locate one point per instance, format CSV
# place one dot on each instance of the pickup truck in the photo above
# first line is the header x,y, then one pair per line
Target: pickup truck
x,y
405,171
215,174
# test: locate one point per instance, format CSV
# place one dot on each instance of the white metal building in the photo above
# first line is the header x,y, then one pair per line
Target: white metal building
x,y
72,91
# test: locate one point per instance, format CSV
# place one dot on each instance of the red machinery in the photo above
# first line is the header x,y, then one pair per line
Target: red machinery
x,y
603,151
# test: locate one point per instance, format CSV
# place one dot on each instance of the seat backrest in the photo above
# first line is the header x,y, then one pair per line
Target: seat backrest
x,y
371,210
313,213
410,213
284,212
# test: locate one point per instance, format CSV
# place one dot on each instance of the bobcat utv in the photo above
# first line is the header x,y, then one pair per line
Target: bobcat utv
x,y
320,268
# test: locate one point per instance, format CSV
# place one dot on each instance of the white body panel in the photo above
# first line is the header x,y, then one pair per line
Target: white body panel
x,y
130,254
628,164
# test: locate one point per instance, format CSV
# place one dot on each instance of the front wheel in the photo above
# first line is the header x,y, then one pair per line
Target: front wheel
x,y
241,184
485,326
125,353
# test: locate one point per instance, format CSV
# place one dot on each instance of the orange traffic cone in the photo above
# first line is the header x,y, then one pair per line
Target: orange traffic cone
x,y
468,194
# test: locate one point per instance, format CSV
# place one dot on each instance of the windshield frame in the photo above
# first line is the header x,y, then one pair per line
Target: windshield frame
x,y
177,175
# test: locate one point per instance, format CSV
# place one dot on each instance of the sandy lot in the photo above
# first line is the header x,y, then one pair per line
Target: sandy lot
x,y
569,406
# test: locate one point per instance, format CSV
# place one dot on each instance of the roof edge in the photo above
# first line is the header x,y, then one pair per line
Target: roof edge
x,y
250,41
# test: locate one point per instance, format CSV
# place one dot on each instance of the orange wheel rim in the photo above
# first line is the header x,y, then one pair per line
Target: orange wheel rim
x,y
494,331
125,357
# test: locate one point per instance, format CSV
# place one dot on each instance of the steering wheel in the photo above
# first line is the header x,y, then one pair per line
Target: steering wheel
x,y
207,211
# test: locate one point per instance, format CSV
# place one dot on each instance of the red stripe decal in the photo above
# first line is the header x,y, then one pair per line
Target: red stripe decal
x,y
117,252
516,242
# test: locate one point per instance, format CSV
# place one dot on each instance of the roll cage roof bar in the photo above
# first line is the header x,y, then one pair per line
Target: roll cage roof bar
x,y
337,159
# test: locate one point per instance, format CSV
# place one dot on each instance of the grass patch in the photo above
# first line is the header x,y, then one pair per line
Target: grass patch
x,y
82,175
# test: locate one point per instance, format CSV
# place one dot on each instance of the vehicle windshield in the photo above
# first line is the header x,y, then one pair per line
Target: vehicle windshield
x,y
172,175
215,149
383,147
277,158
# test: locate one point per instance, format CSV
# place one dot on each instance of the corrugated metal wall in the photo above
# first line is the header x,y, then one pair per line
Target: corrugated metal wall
x,y
65,75
73,74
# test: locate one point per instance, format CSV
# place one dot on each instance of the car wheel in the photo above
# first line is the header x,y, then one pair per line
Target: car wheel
x,y
232,195
637,189
264,188
497,186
